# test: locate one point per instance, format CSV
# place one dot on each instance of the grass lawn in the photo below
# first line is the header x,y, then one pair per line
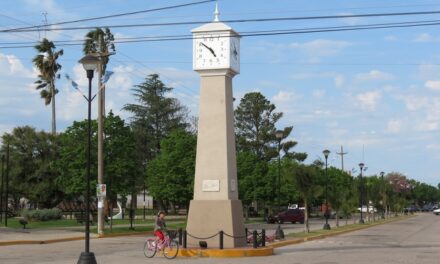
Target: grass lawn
x,y
14,223
140,229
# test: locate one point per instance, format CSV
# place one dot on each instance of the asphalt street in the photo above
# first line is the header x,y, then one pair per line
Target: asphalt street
x,y
414,240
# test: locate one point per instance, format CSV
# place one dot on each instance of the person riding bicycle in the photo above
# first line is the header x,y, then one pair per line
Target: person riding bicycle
x,y
160,226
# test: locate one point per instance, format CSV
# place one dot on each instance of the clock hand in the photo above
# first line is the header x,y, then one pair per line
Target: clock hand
x,y
209,48
235,51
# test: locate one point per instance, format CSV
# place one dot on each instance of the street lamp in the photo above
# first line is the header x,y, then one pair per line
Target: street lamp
x,y
326,225
90,63
279,135
383,194
361,166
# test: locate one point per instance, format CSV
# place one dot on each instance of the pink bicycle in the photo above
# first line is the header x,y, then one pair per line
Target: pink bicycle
x,y
169,246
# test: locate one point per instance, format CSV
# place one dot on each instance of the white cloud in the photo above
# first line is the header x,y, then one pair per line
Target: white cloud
x,y
369,100
339,80
433,85
414,102
11,65
283,96
390,38
427,71
394,126
318,93
321,47
427,126
423,37
374,75
433,146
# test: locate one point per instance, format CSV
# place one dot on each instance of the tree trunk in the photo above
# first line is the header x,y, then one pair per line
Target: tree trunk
x,y
337,218
306,217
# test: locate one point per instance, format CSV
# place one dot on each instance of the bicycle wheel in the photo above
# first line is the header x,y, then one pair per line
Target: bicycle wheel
x,y
170,251
150,247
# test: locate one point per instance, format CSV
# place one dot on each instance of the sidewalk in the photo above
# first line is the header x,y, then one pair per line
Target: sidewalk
x,y
11,236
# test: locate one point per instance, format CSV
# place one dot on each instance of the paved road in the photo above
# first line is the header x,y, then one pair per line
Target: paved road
x,y
416,240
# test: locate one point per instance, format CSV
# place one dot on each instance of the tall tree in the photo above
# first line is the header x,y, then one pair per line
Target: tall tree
x,y
305,179
119,154
32,169
339,183
47,64
255,184
155,115
100,42
255,121
171,173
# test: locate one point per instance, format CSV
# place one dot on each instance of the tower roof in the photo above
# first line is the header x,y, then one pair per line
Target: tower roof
x,y
215,25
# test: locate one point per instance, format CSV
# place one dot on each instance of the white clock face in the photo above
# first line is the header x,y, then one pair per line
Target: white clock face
x,y
211,51
235,54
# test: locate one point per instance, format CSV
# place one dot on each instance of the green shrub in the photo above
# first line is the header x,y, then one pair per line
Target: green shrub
x,y
43,215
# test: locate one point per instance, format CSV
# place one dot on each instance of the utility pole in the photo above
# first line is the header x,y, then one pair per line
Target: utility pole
x,y
342,153
101,113
7,186
1,188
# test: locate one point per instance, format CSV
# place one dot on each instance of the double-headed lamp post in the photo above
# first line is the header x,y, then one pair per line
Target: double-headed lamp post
x,y
279,135
326,225
383,194
90,63
361,166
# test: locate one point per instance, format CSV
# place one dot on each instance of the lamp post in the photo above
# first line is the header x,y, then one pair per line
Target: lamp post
x,y
383,194
326,225
361,166
279,135
90,63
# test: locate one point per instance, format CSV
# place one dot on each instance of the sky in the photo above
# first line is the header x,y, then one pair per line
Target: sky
x,y
374,92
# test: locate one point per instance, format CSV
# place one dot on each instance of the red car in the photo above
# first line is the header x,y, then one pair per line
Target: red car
x,y
291,215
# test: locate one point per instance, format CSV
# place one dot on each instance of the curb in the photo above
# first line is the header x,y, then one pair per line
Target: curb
x,y
226,253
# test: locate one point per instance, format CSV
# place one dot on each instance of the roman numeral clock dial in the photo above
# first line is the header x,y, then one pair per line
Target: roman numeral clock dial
x,y
210,51
216,50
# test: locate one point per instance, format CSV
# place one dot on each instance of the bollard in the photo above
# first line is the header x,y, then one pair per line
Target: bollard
x,y
279,234
180,236
221,239
246,231
263,237
184,239
254,238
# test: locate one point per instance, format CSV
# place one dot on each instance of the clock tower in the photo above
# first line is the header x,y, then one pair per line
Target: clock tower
x,y
216,207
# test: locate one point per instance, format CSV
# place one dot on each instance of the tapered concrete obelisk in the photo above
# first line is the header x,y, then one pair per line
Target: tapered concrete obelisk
x,y
215,206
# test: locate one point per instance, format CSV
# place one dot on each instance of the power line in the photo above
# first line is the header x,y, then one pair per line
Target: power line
x,y
259,33
38,27
29,29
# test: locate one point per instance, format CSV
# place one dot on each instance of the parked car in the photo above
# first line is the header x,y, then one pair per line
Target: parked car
x,y
290,215
371,209
436,211
411,209
427,208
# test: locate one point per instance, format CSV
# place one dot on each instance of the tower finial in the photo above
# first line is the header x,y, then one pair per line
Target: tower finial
x,y
216,13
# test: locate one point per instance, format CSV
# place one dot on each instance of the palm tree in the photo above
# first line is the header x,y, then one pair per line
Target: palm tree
x,y
47,65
